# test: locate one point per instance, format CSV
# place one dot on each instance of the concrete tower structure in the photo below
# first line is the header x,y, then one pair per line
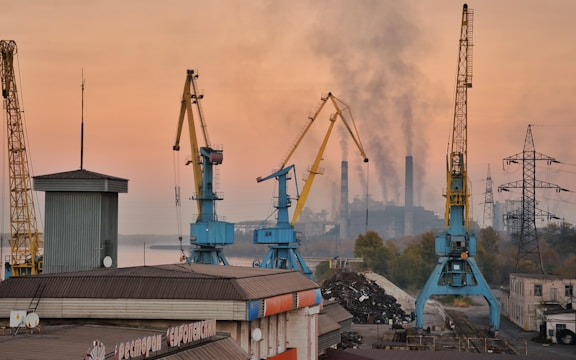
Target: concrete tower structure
x,y
344,211
409,198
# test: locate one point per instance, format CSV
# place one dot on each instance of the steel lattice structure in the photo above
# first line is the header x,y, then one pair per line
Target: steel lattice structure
x,y
528,257
488,219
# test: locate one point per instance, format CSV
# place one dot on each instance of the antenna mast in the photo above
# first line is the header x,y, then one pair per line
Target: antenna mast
x,y
82,127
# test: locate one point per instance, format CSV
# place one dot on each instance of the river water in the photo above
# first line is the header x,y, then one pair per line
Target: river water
x,y
133,255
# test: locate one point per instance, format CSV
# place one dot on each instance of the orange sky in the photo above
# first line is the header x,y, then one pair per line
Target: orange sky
x,y
263,66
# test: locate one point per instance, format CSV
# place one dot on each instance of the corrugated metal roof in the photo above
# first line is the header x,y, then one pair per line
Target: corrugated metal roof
x,y
326,324
72,342
82,174
80,181
176,281
337,311
65,342
222,349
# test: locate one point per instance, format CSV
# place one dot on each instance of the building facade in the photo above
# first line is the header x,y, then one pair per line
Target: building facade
x,y
269,313
531,295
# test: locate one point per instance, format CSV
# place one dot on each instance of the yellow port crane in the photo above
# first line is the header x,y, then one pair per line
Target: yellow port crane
x,y
208,235
25,251
282,239
341,109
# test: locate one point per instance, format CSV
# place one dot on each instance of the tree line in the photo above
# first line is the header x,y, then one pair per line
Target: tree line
x,y
408,262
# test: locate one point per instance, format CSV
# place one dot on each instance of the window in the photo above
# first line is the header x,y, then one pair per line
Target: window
x,y
537,290
568,291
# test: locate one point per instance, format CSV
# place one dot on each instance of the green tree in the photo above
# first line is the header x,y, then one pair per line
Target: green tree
x,y
370,247
488,244
417,262
364,244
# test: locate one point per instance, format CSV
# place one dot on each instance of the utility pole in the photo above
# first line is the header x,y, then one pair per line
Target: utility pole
x,y
528,258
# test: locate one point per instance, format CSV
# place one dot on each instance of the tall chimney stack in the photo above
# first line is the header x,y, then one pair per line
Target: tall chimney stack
x,y
344,220
409,199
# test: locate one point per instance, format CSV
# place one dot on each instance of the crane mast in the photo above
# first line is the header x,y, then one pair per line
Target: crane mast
x,y
457,176
207,234
456,271
25,250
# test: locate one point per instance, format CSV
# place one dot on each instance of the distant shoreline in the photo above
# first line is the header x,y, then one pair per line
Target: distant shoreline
x,y
168,247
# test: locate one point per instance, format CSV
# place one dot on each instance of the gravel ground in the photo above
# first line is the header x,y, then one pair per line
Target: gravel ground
x,y
478,315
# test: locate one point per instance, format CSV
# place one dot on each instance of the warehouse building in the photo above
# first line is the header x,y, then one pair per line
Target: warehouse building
x,y
265,313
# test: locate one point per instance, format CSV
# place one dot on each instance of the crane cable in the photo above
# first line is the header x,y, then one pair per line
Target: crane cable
x,y
367,194
178,202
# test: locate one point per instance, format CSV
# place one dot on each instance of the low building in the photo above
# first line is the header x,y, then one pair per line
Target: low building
x,y
269,313
561,326
531,295
332,321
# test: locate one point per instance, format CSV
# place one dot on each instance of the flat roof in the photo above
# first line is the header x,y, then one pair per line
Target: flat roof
x,y
74,341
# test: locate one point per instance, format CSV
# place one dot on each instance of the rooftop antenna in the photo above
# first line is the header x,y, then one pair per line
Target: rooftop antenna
x,y
82,127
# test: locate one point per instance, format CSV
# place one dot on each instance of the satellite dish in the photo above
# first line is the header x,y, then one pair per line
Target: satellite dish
x,y
107,262
31,320
256,334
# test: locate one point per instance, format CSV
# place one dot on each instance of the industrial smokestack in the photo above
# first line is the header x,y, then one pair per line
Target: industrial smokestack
x,y
343,205
409,198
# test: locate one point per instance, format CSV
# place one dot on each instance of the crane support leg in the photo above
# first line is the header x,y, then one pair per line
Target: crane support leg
x,y
457,277
208,255
286,257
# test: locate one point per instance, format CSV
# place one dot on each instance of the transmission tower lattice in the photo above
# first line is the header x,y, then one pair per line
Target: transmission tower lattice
x,y
488,219
528,258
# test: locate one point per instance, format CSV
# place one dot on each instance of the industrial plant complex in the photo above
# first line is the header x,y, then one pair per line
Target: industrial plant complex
x,y
64,294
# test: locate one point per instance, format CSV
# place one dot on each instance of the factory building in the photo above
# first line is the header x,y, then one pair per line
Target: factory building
x,y
388,220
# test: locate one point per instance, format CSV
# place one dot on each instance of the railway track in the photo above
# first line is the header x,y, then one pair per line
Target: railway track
x,y
474,339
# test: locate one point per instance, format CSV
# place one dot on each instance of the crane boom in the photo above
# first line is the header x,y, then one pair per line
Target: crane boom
x,y
25,249
457,175
189,98
315,169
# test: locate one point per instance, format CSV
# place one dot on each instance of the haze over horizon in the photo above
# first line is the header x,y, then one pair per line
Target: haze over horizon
x,y
263,67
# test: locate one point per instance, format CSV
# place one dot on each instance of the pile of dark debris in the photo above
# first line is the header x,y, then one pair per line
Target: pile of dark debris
x,y
364,299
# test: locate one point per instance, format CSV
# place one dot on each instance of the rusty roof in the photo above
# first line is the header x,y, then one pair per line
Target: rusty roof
x,y
173,281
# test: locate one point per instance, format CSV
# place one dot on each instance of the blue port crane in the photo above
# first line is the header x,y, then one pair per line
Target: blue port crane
x,y
208,235
456,271
283,240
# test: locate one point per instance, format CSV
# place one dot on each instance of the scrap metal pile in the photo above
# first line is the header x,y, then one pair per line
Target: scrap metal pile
x,y
364,299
